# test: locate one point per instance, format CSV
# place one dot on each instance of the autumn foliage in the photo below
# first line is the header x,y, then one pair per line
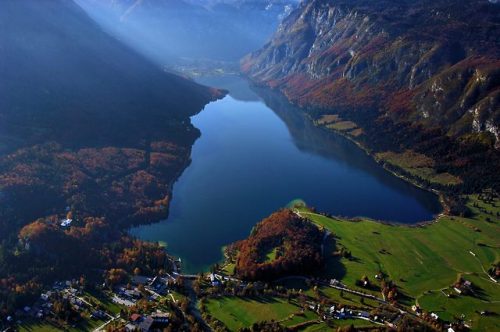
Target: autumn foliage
x,y
296,242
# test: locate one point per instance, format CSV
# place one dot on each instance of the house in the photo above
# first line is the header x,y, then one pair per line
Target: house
x,y
145,324
99,314
159,285
160,319
132,293
66,222
154,281
76,301
130,328
140,280
364,314
135,318
434,316
214,280
395,322
45,296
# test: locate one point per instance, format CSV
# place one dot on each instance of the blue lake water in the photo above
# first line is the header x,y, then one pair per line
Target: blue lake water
x,y
257,153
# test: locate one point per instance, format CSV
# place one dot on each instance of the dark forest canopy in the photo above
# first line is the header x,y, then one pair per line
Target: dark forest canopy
x,y
89,129
282,244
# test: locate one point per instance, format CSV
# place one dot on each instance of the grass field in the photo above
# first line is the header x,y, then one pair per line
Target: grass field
x,y
334,122
103,302
343,125
34,325
328,118
236,312
271,255
418,165
228,269
98,300
426,258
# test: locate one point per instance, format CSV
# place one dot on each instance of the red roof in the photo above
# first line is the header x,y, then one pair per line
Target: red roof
x,y
135,317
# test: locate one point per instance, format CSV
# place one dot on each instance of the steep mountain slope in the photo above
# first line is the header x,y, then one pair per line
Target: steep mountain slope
x,y
89,130
59,71
421,75
77,104
166,30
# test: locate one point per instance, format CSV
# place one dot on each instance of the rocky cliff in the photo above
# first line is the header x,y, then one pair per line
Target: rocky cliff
x,y
432,67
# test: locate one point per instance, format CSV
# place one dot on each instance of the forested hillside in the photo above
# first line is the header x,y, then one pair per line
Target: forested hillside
x,y
399,75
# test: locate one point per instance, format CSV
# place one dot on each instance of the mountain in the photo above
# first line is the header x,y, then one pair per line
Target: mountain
x,y
166,30
60,72
91,132
400,75
85,122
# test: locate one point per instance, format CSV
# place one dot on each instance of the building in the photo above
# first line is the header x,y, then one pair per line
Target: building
x,y
132,293
135,318
364,314
66,222
160,320
214,280
140,280
145,324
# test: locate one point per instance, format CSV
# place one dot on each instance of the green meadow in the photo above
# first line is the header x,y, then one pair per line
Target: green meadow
x,y
237,312
424,261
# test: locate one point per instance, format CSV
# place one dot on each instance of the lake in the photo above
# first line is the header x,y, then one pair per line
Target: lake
x,y
257,153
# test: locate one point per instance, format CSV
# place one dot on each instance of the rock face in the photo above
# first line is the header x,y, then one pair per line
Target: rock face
x,y
441,56
434,65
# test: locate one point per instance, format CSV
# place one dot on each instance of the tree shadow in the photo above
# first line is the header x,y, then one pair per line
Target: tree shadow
x,y
333,266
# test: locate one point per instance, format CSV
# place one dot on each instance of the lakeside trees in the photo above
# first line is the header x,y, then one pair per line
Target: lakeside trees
x,y
281,244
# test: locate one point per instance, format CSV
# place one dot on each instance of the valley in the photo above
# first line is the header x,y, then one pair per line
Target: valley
x,y
249,165
263,144
395,83
422,263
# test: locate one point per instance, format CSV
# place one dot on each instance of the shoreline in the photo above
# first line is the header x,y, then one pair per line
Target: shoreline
x,y
427,221
440,194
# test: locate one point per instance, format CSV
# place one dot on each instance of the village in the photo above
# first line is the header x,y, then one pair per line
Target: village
x,y
122,301
146,303
153,303
171,300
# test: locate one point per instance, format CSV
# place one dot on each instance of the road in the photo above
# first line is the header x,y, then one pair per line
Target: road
x,y
101,328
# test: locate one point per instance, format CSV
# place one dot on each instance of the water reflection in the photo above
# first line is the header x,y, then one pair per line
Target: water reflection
x,y
311,139
256,153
